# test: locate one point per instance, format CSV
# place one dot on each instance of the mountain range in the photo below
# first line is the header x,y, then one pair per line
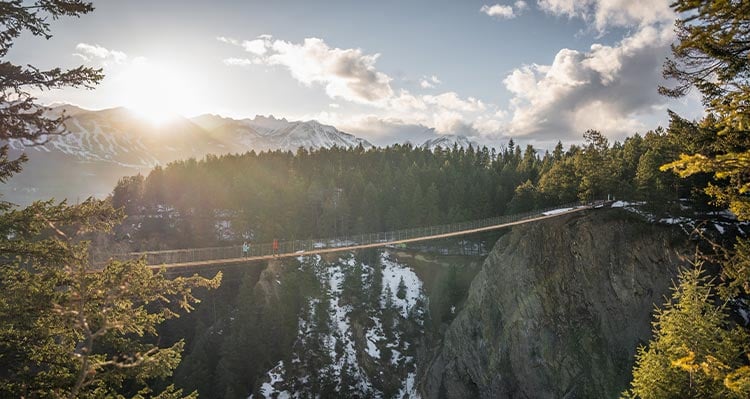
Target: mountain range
x,y
102,146
448,141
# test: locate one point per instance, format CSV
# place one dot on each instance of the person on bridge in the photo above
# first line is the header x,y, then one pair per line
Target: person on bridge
x,y
275,247
245,249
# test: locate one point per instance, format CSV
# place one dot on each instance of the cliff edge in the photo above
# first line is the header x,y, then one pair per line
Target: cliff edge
x,y
557,310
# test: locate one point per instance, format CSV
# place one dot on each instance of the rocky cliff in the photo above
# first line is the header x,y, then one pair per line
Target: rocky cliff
x,y
557,310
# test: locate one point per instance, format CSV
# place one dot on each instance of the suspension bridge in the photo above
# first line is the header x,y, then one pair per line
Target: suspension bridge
x,y
197,257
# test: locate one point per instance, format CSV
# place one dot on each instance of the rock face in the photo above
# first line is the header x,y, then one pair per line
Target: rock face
x,y
557,310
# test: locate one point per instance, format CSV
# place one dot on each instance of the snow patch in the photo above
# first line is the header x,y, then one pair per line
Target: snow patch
x,y
268,389
557,211
393,273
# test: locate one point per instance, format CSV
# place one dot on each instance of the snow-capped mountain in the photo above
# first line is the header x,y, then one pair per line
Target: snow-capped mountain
x,y
269,133
102,146
447,141
120,137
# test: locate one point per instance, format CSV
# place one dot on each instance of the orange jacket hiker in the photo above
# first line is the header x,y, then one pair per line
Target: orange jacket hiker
x,y
275,246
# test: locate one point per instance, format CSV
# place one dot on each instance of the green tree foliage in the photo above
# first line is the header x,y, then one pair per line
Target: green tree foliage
x,y
696,351
401,289
524,199
20,117
560,184
593,167
284,195
69,328
128,194
712,57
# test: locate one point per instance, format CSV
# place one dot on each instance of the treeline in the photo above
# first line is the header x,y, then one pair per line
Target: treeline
x,y
339,191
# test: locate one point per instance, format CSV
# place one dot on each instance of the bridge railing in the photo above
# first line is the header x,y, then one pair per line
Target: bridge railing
x,y
303,246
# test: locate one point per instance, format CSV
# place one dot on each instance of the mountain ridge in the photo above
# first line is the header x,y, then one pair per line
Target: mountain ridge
x,y
105,145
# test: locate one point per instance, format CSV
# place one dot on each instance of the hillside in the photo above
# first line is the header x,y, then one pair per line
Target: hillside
x,y
562,321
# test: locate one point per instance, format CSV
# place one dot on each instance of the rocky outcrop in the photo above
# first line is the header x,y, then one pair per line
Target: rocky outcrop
x,y
557,310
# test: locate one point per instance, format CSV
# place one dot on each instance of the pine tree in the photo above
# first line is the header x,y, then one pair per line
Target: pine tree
x,y
401,290
712,56
696,352
593,168
69,328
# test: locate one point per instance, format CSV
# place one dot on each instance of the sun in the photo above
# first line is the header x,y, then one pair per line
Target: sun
x,y
156,92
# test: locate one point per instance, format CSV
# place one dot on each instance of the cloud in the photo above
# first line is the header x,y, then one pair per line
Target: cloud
x,y
238,62
429,82
604,88
498,11
612,13
258,46
381,130
351,75
502,11
228,40
452,102
348,74
95,52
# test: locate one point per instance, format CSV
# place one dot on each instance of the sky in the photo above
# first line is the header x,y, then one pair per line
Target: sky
x,y
536,71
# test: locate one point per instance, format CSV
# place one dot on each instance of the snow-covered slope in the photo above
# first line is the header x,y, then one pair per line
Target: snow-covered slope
x,y
447,141
355,338
269,133
311,134
120,137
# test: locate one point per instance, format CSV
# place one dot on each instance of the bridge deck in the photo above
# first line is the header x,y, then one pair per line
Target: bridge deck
x,y
240,259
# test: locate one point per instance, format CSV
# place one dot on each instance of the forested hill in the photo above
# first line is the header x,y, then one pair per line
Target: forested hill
x,y
333,192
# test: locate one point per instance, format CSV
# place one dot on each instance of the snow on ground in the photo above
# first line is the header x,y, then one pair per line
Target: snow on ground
x,y
633,208
308,259
393,273
333,244
276,375
688,224
721,229
556,211
677,220
339,344
373,336
625,204
332,277
409,390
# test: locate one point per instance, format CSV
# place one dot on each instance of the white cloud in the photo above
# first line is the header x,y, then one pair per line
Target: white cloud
x,y
95,52
429,82
520,5
351,75
348,74
228,40
451,101
498,11
612,13
334,105
258,46
238,62
604,88
405,101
